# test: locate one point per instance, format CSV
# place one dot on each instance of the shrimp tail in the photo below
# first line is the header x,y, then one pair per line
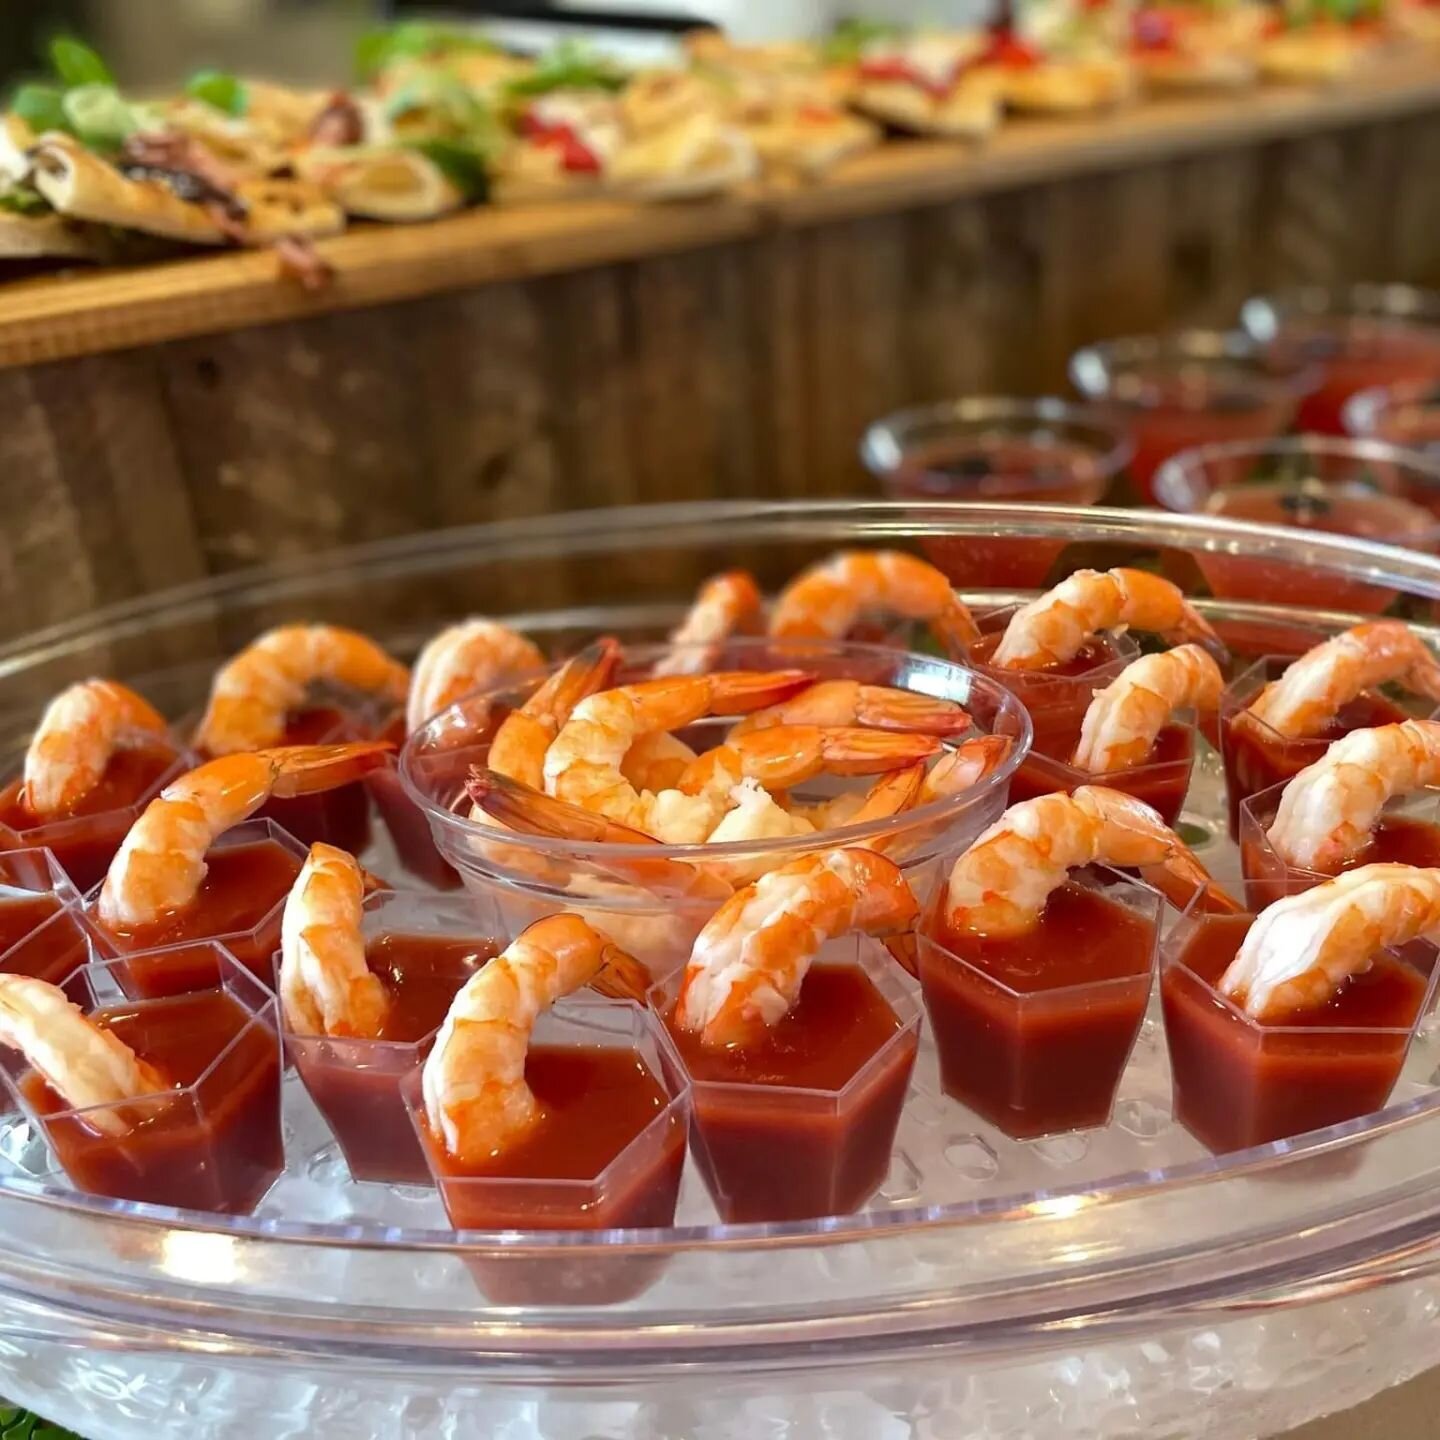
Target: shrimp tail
x,y
309,769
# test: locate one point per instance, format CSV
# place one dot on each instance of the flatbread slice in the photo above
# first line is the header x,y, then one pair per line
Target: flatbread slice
x,y
808,146
81,185
1070,87
1317,54
970,110
699,156
277,208
45,237
389,183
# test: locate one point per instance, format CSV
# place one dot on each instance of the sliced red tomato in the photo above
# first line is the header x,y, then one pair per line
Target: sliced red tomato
x,y
896,69
1010,51
575,155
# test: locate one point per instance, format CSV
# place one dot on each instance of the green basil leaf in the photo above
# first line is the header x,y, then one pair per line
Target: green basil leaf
x,y
41,107
569,67
220,89
99,117
77,64
22,200
462,165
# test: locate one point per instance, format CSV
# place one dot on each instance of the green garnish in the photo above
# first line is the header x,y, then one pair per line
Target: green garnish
x,y
416,40
218,88
568,67
99,117
849,40
22,200
77,64
41,107
462,165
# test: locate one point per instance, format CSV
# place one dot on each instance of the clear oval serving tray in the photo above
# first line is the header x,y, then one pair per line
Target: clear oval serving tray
x,y
1011,1270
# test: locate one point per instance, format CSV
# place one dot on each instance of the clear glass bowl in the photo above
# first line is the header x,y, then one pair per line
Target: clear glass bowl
x,y
653,899
1114,1282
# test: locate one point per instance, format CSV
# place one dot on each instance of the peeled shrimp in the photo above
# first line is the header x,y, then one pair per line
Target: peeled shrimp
x,y
847,702
252,694
476,1098
825,601
1326,678
1303,948
727,605
1123,720
1329,811
1054,628
656,761
161,862
81,729
583,764
748,963
82,1063
518,749
473,655
789,755
528,811
326,987
999,886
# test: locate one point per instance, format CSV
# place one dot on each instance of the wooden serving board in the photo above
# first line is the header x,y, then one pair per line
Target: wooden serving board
x,y
83,312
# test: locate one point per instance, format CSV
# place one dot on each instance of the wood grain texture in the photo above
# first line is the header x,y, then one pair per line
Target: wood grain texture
x,y
743,360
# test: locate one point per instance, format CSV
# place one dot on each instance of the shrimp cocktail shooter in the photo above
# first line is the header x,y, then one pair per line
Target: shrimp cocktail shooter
x,y
797,1070
1300,1017
171,1102
574,1136
1280,716
1371,798
99,752
41,929
1036,969
304,685
1136,735
364,984
476,654
191,869
1055,652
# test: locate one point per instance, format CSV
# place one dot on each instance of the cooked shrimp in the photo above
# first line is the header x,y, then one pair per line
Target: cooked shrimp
x,y
583,764
161,862
252,694
84,1064
1329,811
656,761
80,731
528,811
1317,686
1303,948
325,985
826,601
518,749
999,886
727,605
476,1098
789,755
473,655
748,963
847,702
1054,628
1124,718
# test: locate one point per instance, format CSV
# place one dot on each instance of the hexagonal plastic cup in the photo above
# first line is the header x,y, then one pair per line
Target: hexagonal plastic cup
x,y
425,947
1408,834
1034,1034
213,1140
251,870
42,929
1240,1082
769,1150
587,1055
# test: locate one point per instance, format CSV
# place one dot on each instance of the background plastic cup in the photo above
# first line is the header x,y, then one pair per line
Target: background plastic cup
x,y
1407,414
992,448
1194,387
1349,487
1360,335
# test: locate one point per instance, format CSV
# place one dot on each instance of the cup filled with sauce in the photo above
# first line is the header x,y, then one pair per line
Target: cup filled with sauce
x,y
1366,488
1195,387
1406,414
1361,336
988,448
41,929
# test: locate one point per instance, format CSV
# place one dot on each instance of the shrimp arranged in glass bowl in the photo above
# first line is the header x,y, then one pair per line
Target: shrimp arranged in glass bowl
x,y
99,752
900,764
1035,934
1257,1007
